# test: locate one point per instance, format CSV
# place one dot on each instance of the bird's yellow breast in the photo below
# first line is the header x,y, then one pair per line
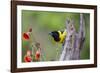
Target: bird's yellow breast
x,y
62,36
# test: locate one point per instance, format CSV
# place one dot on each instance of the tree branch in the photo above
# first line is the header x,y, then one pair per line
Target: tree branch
x,y
73,41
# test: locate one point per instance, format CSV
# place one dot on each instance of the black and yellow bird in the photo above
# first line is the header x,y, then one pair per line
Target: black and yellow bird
x,y
58,36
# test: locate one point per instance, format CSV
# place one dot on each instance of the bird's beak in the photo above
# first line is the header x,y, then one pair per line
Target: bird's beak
x,y
50,33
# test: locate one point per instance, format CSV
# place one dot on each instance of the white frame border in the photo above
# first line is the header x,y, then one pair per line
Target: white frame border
x,y
56,63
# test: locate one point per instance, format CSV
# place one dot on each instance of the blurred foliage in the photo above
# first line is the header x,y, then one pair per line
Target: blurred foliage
x,y
43,22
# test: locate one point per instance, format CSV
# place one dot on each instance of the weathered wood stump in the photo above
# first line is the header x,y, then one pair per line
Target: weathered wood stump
x,y
73,41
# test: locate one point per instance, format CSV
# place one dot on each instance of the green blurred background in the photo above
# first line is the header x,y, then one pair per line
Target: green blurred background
x,y
43,22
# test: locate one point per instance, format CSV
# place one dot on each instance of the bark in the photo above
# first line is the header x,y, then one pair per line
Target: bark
x,y
73,41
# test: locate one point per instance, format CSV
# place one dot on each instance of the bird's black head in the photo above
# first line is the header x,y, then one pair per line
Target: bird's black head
x,y
55,35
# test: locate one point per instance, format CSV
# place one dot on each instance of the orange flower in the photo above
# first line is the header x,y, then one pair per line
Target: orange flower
x,y
37,55
28,57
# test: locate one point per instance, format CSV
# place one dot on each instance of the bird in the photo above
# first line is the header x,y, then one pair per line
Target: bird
x,y
58,36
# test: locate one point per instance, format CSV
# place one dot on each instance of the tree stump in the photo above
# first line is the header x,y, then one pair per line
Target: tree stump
x,y
74,40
